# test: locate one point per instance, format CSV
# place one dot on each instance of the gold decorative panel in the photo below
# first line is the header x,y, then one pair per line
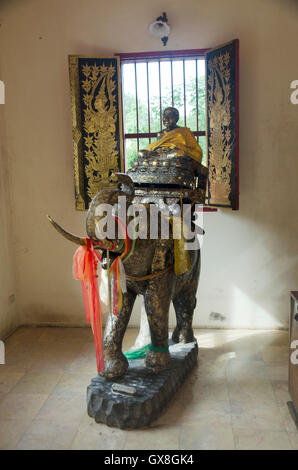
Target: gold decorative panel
x,y
222,124
96,124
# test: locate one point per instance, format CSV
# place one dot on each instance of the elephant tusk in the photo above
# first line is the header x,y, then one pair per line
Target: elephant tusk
x,y
104,244
67,235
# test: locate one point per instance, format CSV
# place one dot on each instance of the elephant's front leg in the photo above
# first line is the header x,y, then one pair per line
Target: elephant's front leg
x,y
157,303
116,364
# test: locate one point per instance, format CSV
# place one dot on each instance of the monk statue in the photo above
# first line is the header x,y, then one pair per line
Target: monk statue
x,y
176,149
179,140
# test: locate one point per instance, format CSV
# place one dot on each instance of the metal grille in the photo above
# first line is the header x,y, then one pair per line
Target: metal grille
x,y
149,84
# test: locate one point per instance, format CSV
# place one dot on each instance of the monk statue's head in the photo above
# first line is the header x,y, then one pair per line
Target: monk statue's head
x,y
170,118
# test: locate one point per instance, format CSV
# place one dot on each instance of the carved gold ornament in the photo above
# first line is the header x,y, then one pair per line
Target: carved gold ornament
x,y
97,131
220,139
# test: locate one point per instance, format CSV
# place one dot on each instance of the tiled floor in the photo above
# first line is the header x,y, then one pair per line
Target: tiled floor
x,y
234,399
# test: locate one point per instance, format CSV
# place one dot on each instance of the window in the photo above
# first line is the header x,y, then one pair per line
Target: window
x,y
153,81
150,83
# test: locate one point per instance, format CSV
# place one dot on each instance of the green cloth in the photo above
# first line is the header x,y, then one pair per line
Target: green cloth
x,y
137,353
152,348
140,353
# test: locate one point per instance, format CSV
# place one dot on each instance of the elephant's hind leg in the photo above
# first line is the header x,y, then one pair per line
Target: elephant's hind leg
x,y
184,304
116,364
157,302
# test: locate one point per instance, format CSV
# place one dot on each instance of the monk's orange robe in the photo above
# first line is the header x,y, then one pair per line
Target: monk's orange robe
x,y
181,138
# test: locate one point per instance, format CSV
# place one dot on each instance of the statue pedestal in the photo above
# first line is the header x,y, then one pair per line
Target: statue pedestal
x,y
153,390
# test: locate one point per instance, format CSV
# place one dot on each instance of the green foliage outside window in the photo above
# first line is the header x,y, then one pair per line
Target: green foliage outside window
x,y
130,114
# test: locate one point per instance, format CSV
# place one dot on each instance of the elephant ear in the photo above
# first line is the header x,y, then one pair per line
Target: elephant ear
x,y
105,196
125,185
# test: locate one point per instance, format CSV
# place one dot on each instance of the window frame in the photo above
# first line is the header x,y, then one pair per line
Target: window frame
x,y
133,57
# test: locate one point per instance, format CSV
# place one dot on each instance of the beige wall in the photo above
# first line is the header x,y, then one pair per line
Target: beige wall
x,y
8,297
249,257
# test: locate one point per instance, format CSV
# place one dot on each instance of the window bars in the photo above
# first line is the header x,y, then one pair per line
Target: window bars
x,y
158,81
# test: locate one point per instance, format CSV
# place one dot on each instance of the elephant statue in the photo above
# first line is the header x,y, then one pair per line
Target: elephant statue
x,y
150,273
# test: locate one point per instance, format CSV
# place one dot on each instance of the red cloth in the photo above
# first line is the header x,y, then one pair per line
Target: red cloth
x,y
85,270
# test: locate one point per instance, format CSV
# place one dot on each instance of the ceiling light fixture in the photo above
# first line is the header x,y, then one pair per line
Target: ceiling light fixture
x,y
160,28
